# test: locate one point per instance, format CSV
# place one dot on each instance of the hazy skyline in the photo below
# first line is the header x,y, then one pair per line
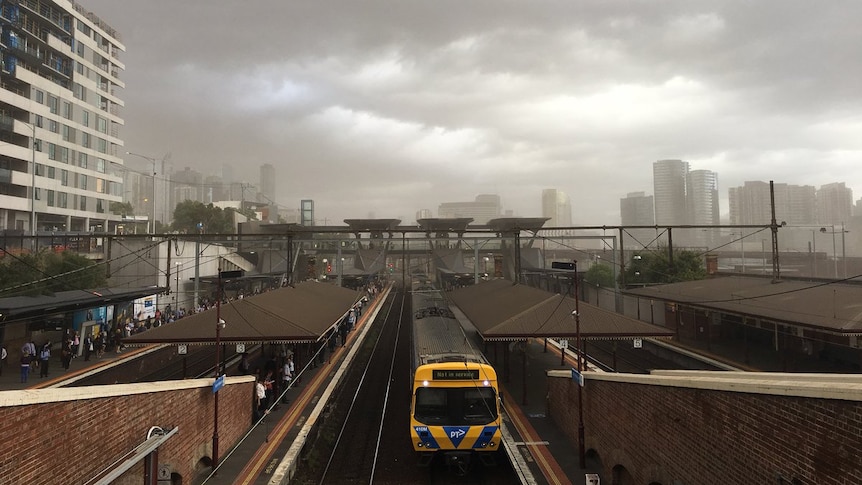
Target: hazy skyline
x,y
387,108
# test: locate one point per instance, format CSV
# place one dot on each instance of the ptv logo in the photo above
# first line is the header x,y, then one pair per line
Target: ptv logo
x,y
456,433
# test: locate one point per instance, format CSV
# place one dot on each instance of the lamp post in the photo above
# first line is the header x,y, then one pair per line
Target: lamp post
x,y
834,249
177,288
33,186
153,160
582,460
219,324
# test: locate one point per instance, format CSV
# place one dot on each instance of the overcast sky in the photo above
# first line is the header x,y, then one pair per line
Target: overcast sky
x,y
382,108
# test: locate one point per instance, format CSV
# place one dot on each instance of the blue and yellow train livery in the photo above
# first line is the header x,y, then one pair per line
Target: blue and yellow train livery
x,y
455,405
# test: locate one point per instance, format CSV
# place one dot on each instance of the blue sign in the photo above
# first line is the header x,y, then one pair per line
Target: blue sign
x,y
218,384
577,376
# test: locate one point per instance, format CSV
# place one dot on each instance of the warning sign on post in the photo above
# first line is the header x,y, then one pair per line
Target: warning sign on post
x,y
638,343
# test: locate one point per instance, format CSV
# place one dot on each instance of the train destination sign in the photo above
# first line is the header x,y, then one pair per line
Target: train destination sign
x,y
455,374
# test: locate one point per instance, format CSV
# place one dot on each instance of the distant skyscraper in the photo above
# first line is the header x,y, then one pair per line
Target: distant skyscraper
x,y
267,183
556,206
702,203
482,210
751,203
637,209
834,203
424,214
669,186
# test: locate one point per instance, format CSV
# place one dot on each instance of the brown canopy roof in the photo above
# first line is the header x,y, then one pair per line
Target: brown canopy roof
x,y
825,306
501,310
302,313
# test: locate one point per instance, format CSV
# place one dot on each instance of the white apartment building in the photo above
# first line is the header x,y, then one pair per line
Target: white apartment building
x,y
59,118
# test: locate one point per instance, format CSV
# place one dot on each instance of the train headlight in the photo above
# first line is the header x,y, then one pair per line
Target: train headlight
x,y
419,444
425,383
492,444
486,383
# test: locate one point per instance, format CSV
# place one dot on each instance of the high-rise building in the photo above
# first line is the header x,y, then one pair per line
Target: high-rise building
x,y
637,209
702,201
481,210
188,185
751,203
59,118
267,183
423,214
834,203
669,186
557,207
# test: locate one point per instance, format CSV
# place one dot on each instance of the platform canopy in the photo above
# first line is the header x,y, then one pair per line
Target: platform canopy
x,y
372,225
299,314
65,301
503,311
510,225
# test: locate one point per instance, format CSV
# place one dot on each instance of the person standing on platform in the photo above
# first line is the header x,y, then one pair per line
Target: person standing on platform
x,y
25,366
44,359
88,347
351,319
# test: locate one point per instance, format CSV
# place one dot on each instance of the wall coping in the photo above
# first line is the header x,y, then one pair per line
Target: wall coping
x,y
26,397
820,386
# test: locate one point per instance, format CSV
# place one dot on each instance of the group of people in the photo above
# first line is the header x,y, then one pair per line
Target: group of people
x,y
270,381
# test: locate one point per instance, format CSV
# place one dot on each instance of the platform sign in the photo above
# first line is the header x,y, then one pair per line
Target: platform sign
x,y
240,348
218,384
577,376
564,344
182,349
593,479
639,343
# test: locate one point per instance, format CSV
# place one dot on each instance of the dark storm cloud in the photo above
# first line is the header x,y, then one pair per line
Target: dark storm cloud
x,y
391,107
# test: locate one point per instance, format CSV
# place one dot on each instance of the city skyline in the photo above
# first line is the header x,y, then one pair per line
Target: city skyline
x,y
403,109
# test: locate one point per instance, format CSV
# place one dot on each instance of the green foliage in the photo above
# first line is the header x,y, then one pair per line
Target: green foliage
x,y
214,220
653,267
122,208
63,271
600,275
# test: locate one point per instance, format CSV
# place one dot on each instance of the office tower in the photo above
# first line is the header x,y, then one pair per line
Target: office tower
x,y
484,208
751,204
188,185
834,203
637,209
267,183
557,207
702,203
423,214
59,119
669,189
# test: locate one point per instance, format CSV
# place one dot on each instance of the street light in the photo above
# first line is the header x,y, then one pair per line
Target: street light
x,y
153,160
834,251
582,459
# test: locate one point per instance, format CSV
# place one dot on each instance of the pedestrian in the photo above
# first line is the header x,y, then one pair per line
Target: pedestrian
x,y
3,355
66,355
25,366
44,359
76,343
260,398
286,377
269,386
88,347
351,319
31,351
342,329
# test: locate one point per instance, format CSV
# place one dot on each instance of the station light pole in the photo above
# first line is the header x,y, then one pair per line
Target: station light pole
x,y
582,460
834,249
153,161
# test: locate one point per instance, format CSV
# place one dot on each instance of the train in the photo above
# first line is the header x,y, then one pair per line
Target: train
x,y
455,403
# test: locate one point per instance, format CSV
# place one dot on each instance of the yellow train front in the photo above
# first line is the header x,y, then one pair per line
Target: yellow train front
x,y
455,411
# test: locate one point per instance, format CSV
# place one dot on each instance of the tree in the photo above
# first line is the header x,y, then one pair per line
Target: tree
x,y
600,275
653,267
47,272
192,217
122,208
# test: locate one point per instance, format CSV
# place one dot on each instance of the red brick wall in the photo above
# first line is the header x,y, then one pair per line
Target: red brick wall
x,y
670,435
58,441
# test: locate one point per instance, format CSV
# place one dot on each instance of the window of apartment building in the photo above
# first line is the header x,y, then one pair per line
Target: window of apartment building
x,y
62,200
50,198
85,118
82,203
79,67
102,145
85,139
53,126
64,178
100,165
100,206
84,28
102,124
77,89
67,110
51,173
64,154
38,121
82,159
39,96
37,193
65,132
79,48
101,186
53,103
40,170
52,151
82,181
